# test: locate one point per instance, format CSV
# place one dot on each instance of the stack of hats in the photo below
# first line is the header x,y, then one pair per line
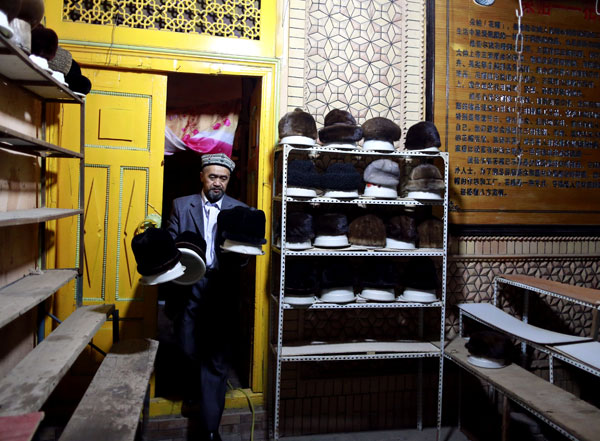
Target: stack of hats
x,y
382,177
340,180
423,136
303,179
378,280
380,134
431,233
331,230
367,231
340,130
490,349
8,12
300,231
301,283
425,182
298,128
337,283
401,233
242,229
420,281
66,69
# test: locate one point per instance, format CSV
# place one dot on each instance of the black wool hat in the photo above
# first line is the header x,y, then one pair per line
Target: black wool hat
x,y
242,224
340,127
331,224
336,275
423,136
341,176
401,228
420,273
367,230
425,177
299,227
44,42
491,345
154,251
431,233
301,278
294,126
303,173
378,273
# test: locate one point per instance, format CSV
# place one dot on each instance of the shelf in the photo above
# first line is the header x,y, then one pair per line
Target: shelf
x,y
361,252
359,351
16,67
24,294
361,304
360,151
35,215
13,140
362,200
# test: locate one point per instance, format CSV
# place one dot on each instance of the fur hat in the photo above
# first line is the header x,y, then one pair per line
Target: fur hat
x,y
44,42
341,180
331,230
382,172
491,345
10,8
301,278
154,251
380,134
77,81
431,233
340,127
193,257
425,178
420,273
378,273
401,231
297,125
302,174
31,11
423,136
242,227
336,274
299,228
367,230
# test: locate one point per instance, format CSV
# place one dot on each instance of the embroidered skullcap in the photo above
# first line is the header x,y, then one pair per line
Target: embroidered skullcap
x,y
218,159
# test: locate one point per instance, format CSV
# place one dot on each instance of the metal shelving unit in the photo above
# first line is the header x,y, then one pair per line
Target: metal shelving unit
x,y
422,349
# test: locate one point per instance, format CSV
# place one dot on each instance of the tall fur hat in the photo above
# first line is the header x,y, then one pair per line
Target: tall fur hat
x,y
491,344
425,177
303,173
382,129
422,135
420,273
378,273
382,172
431,233
300,227
242,224
331,224
44,42
402,228
340,176
297,123
301,278
154,251
340,126
336,274
367,230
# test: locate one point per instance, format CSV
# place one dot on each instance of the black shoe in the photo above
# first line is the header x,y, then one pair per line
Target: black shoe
x,y
213,436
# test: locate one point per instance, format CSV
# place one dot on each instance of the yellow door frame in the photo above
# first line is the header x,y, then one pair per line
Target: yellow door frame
x,y
101,55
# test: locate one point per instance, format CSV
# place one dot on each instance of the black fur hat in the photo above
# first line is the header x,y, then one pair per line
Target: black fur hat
x,y
242,224
337,274
31,11
431,233
154,251
382,172
491,344
341,176
367,230
297,123
10,8
425,177
77,81
379,273
382,129
422,135
402,228
299,227
420,273
44,42
331,224
303,173
340,126
301,278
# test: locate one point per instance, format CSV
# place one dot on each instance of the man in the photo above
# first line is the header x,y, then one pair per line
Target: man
x,y
202,328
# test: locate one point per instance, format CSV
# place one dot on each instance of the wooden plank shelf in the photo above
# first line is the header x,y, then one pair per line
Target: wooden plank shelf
x,y
28,385
24,294
13,140
35,215
16,67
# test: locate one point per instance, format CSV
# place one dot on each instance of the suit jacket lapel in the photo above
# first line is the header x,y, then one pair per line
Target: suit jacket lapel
x,y
196,214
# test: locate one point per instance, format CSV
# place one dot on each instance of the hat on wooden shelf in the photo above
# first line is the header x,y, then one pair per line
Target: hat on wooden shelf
x,y
299,231
425,182
337,283
423,136
340,130
44,44
8,12
30,14
420,281
431,233
301,283
302,178
157,256
378,280
242,230
331,230
380,134
367,231
220,159
298,128
31,11
490,349
193,257
340,180
401,232
381,179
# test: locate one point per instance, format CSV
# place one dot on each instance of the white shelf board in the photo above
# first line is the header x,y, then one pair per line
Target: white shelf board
x,y
13,140
35,215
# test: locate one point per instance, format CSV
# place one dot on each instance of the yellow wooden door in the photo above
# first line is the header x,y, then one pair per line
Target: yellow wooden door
x,y
124,137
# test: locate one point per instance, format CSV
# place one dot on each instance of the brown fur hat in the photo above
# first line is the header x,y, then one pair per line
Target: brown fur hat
x,y
340,126
10,8
425,177
32,11
44,42
297,123
381,129
403,228
368,230
421,136
431,233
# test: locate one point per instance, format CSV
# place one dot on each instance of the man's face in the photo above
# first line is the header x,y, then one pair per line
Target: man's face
x,y
214,180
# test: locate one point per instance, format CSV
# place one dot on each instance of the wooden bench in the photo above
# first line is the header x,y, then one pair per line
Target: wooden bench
x,y
110,408
571,416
